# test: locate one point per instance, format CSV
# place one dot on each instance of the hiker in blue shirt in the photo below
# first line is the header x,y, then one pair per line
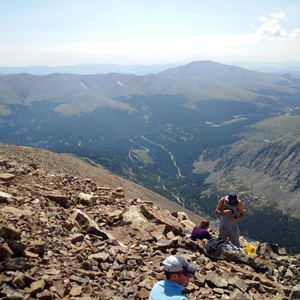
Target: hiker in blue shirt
x,y
231,210
178,272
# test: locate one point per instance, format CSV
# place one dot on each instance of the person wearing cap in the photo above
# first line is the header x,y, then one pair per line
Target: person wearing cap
x,y
178,272
231,210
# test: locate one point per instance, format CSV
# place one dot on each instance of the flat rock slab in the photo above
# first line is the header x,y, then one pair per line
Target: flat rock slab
x,y
12,264
216,279
37,287
76,291
60,199
121,235
12,293
16,211
78,279
37,247
30,254
9,232
4,196
83,221
161,217
7,176
5,250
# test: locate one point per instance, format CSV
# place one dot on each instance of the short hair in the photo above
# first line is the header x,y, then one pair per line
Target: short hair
x,y
168,274
204,224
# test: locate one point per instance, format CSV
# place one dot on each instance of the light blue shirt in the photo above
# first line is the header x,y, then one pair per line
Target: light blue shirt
x,y
167,290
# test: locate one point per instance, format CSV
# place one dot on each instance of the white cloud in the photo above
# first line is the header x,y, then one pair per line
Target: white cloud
x,y
270,35
262,19
279,15
182,47
163,46
293,36
259,44
272,29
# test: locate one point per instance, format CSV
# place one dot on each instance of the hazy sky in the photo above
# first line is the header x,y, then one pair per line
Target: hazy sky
x,y
68,32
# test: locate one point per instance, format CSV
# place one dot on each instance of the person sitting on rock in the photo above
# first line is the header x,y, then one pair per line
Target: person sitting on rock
x,y
178,272
200,232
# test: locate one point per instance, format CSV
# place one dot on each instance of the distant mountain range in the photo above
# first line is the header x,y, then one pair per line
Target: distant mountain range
x,y
195,82
278,68
86,69
290,67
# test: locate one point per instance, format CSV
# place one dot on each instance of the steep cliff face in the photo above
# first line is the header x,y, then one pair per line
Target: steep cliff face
x,y
279,159
271,168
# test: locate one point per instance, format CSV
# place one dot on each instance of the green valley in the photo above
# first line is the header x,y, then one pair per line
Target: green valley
x,y
192,134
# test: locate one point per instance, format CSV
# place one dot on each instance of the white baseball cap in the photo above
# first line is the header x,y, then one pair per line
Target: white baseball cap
x,y
177,263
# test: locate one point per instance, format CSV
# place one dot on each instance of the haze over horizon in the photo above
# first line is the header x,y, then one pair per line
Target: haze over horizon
x,y
60,33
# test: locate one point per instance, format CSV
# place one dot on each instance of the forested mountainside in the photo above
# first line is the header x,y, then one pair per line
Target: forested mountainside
x,y
278,158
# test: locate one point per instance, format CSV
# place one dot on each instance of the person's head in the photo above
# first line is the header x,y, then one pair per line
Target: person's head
x,y
204,224
233,200
178,270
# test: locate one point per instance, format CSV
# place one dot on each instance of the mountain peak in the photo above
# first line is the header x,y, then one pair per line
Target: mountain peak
x,y
221,73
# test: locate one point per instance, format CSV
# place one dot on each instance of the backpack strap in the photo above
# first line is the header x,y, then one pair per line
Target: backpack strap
x,y
224,199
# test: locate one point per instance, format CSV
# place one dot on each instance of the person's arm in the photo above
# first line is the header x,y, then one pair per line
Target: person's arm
x,y
240,210
208,235
219,210
193,235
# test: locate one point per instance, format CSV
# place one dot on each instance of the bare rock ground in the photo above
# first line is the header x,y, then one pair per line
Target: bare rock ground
x,y
71,231
63,164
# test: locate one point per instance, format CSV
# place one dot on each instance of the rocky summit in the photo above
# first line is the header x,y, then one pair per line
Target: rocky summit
x,y
65,236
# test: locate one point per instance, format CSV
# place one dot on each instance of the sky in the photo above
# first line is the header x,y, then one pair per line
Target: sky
x,y
69,32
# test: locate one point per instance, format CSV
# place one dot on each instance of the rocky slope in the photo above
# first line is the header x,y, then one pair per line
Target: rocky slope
x,y
269,168
278,158
71,231
63,164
